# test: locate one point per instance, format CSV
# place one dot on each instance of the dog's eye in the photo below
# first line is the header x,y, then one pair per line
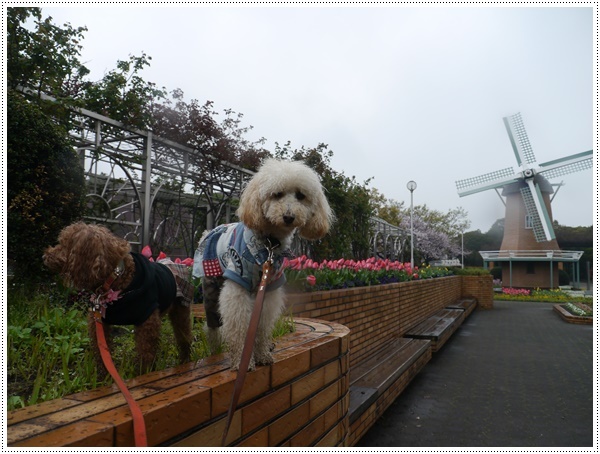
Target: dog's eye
x,y
278,195
300,196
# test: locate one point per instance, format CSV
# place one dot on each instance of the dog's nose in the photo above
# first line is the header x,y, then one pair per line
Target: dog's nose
x,y
288,219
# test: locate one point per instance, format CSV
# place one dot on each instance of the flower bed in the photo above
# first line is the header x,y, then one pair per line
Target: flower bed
x,y
304,274
579,309
570,313
544,296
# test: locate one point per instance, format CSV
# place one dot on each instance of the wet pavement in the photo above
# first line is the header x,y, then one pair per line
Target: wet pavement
x,y
514,376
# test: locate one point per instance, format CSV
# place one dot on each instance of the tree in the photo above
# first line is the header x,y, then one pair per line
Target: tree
x,y
195,125
577,239
387,209
123,95
45,59
349,200
430,242
437,234
45,185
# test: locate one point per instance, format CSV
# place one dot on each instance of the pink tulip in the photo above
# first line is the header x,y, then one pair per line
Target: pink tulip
x,y
147,252
311,280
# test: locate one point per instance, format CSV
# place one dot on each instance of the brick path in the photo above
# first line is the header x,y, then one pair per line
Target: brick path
x,y
517,375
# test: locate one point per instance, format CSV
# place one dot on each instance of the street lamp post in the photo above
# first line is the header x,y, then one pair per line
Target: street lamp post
x,y
462,248
411,185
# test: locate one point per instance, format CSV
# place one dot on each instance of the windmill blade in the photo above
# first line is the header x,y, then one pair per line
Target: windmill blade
x,y
536,210
486,181
518,139
569,164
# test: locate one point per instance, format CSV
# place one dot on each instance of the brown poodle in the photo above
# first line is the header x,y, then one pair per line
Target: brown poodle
x,y
128,288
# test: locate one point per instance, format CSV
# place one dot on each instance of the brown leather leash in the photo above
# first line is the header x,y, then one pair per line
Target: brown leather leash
x,y
249,342
139,426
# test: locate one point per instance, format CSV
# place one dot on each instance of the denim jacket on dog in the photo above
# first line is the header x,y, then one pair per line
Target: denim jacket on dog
x,y
233,252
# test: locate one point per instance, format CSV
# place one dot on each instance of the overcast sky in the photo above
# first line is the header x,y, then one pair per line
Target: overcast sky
x,y
399,94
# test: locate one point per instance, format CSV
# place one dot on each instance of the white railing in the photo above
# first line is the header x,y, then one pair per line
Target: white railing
x,y
537,255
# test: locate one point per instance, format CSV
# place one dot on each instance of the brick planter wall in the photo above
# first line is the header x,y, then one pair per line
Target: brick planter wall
x,y
480,287
301,400
380,313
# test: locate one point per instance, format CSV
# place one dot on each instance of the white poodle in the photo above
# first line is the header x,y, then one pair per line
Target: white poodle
x,y
282,198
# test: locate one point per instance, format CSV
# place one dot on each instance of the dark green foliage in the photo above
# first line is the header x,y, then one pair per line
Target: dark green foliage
x,y
45,185
563,278
574,238
45,59
349,200
497,272
471,271
476,241
577,239
123,95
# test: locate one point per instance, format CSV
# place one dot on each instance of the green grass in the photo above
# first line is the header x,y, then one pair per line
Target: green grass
x,y
49,352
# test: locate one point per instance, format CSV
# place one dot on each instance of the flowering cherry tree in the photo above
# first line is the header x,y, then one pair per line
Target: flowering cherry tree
x,y
430,243
436,234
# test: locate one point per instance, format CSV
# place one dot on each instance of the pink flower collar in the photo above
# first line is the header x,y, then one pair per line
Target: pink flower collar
x,y
105,295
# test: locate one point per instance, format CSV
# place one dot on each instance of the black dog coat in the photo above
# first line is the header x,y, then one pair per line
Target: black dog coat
x,y
153,287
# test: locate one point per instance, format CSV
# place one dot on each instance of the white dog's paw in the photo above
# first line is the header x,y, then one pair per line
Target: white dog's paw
x,y
235,363
264,358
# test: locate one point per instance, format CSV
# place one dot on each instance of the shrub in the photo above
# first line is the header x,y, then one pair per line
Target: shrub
x,y
45,186
563,278
471,271
496,272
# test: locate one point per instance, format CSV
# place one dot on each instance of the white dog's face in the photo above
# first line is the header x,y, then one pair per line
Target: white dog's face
x,y
285,196
287,210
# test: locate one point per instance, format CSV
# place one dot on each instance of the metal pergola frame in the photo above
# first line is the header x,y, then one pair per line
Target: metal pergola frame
x,y
148,188
137,181
387,240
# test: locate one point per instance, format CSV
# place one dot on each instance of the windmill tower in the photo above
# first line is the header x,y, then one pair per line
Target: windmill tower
x,y
529,241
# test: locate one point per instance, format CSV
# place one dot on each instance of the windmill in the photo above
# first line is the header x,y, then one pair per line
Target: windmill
x,y
528,212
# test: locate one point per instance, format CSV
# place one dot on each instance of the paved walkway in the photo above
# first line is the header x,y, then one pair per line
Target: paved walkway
x,y
515,376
